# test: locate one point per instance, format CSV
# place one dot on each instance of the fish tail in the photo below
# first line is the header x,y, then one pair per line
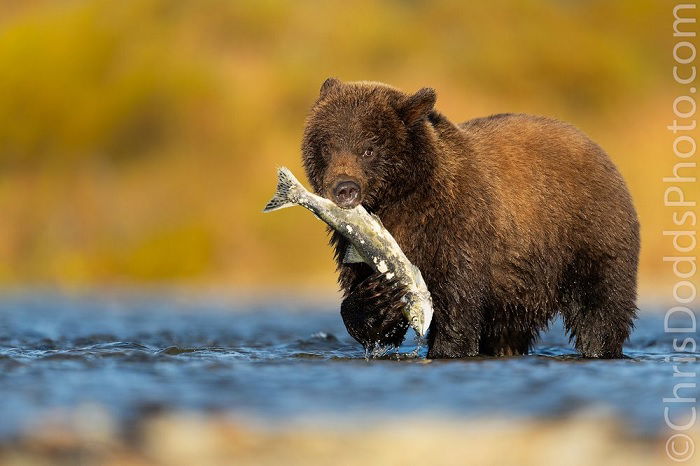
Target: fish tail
x,y
285,195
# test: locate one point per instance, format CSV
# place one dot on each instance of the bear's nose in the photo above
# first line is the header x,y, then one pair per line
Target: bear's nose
x,y
346,193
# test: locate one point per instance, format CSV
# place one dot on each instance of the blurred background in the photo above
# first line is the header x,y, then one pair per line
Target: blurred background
x,y
139,138
138,145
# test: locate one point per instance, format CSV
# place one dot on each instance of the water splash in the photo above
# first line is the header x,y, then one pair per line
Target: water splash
x,y
420,342
379,351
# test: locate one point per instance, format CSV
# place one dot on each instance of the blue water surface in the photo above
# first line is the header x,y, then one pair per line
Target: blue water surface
x,y
277,361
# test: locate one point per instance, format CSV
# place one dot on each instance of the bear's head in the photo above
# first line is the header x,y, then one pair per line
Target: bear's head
x,y
365,142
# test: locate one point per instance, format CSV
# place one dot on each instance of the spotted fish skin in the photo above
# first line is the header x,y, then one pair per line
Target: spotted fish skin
x,y
369,241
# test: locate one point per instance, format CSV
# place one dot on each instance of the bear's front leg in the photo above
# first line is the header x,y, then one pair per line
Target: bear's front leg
x,y
454,331
372,312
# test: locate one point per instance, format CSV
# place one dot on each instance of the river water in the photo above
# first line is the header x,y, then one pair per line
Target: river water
x,y
279,361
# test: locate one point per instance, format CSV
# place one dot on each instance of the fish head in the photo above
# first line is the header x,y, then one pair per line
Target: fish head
x,y
420,312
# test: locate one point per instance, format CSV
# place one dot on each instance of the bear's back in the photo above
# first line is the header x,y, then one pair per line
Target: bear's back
x,y
548,181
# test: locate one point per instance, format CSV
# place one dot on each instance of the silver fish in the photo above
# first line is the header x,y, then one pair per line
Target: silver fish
x,y
370,243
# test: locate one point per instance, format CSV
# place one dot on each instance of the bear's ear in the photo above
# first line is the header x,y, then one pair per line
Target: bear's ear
x,y
327,85
416,106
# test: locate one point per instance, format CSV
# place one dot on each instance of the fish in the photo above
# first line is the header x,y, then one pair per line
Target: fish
x,y
370,242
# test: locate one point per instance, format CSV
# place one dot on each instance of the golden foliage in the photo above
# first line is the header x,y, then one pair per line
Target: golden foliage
x,y
138,138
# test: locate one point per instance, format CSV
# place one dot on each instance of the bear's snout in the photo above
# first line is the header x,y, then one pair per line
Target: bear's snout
x,y
346,193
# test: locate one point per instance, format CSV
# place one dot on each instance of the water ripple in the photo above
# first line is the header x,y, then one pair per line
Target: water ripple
x,y
282,362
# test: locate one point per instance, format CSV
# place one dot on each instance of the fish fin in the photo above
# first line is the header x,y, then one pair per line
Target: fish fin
x,y
379,220
352,256
283,197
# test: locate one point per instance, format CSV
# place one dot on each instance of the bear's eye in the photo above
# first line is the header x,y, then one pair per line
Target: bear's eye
x,y
325,151
369,152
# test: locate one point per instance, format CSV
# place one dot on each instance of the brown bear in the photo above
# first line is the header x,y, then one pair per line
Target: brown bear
x,y
511,218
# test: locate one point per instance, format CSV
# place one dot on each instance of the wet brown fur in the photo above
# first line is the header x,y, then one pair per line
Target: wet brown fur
x,y
510,218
